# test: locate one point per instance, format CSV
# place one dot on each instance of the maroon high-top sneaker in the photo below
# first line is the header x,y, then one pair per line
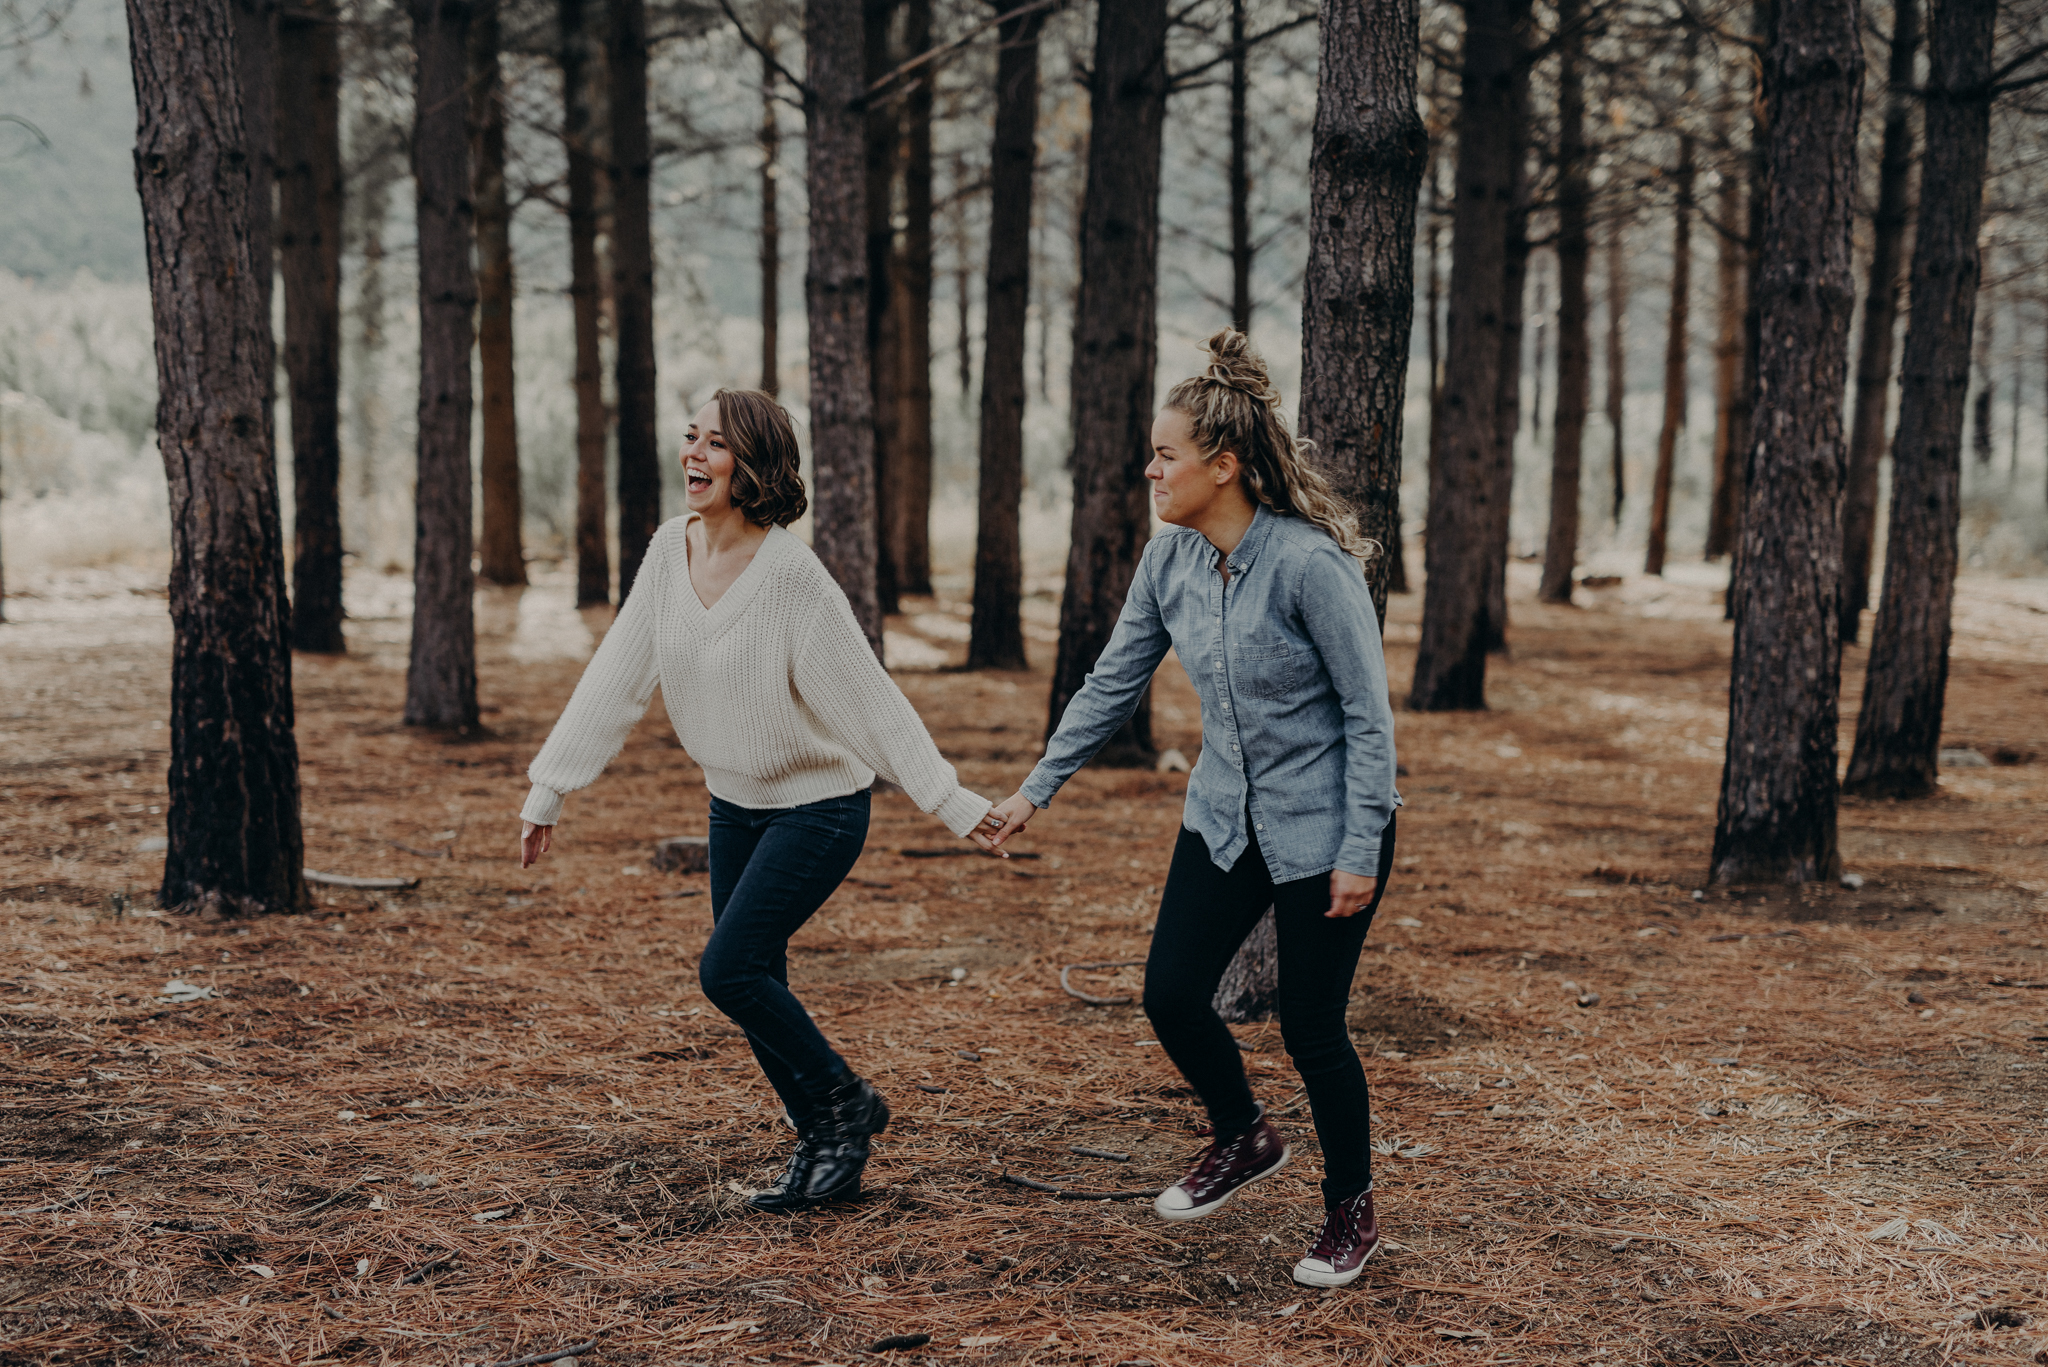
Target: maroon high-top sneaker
x,y
1228,1165
1351,1234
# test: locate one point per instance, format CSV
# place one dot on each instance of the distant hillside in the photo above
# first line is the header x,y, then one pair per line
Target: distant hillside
x,y
71,205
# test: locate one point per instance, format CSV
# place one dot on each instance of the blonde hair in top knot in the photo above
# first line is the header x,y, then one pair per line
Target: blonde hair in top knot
x,y
1233,406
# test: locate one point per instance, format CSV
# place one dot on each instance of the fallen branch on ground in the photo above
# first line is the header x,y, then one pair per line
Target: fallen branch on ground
x,y
578,1351
342,880
1073,991
1069,1194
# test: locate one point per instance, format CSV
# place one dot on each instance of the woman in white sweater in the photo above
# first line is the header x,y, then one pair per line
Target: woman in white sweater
x,y
775,692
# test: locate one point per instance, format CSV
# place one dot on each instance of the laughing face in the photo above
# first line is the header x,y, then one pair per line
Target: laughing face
x,y
707,463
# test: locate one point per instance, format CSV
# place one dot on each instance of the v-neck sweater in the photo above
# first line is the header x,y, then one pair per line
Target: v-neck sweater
x,y
773,690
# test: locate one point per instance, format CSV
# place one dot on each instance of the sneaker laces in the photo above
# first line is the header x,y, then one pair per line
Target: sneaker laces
x,y
1340,1231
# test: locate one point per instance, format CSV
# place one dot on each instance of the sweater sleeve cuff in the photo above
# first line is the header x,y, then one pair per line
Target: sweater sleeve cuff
x,y
963,810
543,806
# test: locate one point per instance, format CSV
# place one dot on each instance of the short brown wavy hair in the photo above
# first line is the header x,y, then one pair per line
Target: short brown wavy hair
x,y
767,486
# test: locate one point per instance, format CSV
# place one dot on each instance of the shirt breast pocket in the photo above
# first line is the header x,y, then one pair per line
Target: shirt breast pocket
x,y
1270,671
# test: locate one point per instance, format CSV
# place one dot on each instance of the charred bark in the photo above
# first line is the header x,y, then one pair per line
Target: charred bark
x,y
1240,176
1898,731
500,551
1872,401
1677,342
309,253
632,162
236,845
1116,345
1464,480
440,680
581,64
256,64
996,639
1776,818
1574,335
836,293
910,502
1366,162
1731,287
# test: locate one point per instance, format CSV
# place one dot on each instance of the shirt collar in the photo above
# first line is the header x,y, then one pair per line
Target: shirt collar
x,y
1254,538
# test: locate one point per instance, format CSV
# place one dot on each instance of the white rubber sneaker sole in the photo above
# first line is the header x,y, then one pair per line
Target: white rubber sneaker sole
x,y
1166,1212
1315,1272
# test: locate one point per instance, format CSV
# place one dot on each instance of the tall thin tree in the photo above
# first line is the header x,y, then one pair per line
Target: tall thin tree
x,y
236,845
884,130
1731,291
996,632
1678,326
771,224
1776,817
836,295
1574,331
1366,162
440,681
501,554
1240,172
1464,484
634,387
1617,359
1898,731
1872,400
910,501
1116,345
581,61
309,253
1493,625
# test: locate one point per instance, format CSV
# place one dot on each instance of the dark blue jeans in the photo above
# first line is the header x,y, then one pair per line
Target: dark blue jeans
x,y
771,869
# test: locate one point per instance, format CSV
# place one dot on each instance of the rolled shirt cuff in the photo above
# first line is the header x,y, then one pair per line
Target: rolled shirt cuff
x,y
1360,857
543,806
1038,789
962,811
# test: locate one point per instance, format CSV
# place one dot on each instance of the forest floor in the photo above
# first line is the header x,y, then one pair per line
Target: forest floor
x,y
1618,1121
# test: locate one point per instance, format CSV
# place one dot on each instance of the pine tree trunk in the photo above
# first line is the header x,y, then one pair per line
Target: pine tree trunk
x,y
1493,626
1466,519
309,252
1776,819
1366,162
1574,334
440,681
911,501
1250,986
771,229
1116,346
1677,342
582,72
1872,401
632,161
1731,286
1742,411
1241,178
1898,732
1980,417
996,639
500,551
1617,358
236,845
256,63
884,130
836,295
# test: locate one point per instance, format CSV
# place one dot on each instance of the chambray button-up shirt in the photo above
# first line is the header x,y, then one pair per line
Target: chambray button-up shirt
x,y
1296,727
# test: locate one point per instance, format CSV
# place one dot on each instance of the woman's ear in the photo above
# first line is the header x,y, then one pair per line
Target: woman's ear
x,y
1224,469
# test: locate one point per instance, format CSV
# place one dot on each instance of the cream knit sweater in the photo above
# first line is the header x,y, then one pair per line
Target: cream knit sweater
x,y
773,690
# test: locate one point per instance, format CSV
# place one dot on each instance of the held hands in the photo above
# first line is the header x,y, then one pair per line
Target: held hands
x,y
1004,820
1351,893
534,841
990,831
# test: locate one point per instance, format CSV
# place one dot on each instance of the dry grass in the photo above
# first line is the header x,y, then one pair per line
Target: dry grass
x,y
1751,1150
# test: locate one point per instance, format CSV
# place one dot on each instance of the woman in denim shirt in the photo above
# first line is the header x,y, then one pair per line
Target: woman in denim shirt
x,y
1258,589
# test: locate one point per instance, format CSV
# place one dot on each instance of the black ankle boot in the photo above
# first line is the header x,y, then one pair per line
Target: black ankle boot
x,y
788,1191
850,1113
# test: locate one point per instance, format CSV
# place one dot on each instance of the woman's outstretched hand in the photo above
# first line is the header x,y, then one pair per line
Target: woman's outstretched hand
x,y
1351,893
534,841
1004,820
984,834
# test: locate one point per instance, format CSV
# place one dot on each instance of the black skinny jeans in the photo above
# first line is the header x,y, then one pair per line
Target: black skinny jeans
x,y
1204,915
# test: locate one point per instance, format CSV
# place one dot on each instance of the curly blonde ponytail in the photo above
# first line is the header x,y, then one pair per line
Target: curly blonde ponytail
x,y
1233,406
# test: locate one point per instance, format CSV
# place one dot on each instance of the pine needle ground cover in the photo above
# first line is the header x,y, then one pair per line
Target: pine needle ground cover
x,y
491,1117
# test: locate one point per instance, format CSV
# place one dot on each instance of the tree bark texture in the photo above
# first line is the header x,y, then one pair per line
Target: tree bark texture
x,y
1742,411
1240,174
1250,986
632,164
309,252
1776,819
500,551
1508,400
256,59
1731,289
1464,483
1574,330
996,638
440,681
236,845
884,128
1677,346
1116,347
1872,400
910,502
1366,163
836,294
771,229
1898,732
1617,359
581,63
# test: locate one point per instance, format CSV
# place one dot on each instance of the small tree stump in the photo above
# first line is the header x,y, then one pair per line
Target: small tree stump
x,y
1252,981
683,854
